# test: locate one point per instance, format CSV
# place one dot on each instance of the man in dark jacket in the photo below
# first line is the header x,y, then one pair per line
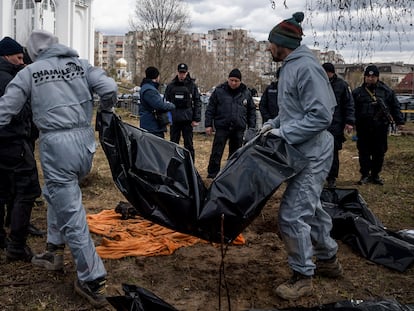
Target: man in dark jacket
x,y
268,106
152,107
376,108
183,93
230,110
343,118
268,102
19,184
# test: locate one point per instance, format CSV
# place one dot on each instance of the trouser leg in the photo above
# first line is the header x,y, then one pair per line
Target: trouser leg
x,y
235,141
67,216
71,223
175,133
334,171
188,139
378,152
364,145
219,143
26,189
4,193
302,221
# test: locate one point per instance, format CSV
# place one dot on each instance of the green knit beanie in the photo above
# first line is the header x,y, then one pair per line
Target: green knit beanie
x,y
288,33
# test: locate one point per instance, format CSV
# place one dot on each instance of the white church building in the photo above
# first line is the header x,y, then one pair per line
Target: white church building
x,y
69,20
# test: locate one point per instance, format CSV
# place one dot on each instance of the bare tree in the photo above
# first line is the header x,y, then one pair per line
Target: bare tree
x,y
359,24
202,66
162,21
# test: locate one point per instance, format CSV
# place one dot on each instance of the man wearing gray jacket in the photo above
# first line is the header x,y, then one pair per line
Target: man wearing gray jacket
x,y
306,105
60,87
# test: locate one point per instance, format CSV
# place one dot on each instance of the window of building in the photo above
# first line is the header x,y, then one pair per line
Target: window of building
x,y
29,4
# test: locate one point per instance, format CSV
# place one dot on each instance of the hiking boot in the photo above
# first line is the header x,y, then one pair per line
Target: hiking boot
x,y
364,180
52,259
377,180
331,183
330,268
94,291
298,286
16,252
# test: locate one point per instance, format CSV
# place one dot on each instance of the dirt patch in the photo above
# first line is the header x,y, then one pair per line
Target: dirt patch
x,y
189,278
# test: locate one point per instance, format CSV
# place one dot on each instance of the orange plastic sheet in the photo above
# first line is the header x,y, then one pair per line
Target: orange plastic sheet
x,y
137,237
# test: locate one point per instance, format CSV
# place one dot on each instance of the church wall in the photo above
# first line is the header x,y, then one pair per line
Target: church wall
x,y
72,24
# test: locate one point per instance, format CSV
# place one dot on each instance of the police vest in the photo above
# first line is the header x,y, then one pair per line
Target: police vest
x,y
182,97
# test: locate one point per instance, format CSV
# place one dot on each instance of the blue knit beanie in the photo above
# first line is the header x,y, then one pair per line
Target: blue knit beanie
x,y
288,33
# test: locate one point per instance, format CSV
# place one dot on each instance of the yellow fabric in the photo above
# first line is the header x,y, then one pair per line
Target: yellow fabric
x,y
137,237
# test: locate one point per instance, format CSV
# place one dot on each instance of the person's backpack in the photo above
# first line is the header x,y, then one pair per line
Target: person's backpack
x,y
182,97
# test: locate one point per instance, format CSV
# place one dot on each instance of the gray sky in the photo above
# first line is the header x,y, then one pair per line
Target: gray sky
x,y
112,17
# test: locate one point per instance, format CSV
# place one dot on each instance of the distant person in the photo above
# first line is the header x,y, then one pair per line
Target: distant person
x,y
376,107
253,91
269,109
306,105
19,183
60,87
152,107
183,93
343,118
231,111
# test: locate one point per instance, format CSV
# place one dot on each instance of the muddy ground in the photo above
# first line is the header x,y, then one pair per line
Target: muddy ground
x,y
189,278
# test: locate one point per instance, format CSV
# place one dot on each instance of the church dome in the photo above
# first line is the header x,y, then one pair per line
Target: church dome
x,y
121,62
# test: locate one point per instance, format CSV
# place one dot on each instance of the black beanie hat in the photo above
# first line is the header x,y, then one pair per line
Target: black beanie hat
x,y
8,46
151,73
329,67
235,73
288,33
371,70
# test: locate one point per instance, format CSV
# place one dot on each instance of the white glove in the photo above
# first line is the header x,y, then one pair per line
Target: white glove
x,y
265,128
274,132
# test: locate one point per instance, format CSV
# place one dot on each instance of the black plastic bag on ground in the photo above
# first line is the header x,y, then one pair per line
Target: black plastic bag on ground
x,y
355,225
138,299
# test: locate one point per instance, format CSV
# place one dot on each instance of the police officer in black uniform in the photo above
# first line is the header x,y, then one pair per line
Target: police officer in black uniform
x,y
376,107
183,93
268,106
230,110
343,118
19,184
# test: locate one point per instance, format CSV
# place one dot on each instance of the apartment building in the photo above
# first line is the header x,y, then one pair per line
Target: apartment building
x,y
234,48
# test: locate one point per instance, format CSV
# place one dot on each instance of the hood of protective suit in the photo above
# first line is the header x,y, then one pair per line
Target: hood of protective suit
x,y
39,41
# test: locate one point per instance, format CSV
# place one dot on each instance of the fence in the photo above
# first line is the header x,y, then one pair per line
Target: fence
x,y
132,106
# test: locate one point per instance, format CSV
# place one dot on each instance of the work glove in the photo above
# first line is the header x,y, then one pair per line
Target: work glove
x,y
274,132
265,128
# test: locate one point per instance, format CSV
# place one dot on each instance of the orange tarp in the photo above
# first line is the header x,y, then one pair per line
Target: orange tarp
x,y
137,237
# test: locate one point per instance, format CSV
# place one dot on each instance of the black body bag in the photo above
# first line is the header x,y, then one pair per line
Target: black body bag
x,y
159,179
